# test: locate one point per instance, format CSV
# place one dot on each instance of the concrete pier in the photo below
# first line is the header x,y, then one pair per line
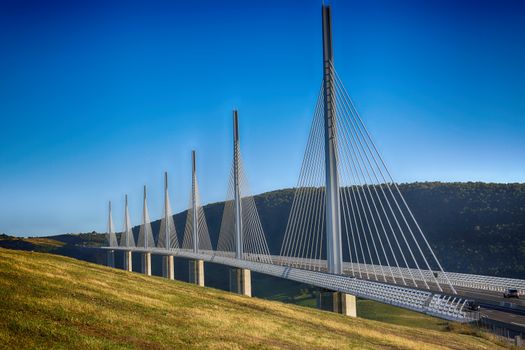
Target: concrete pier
x,y
128,265
241,281
168,268
196,273
146,263
110,259
341,303
518,341
346,304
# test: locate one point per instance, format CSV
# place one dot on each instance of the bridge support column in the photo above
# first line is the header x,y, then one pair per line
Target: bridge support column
x,y
196,274
128,265
338,302
241,281
168,269
146,263
110,260
518,341
345,304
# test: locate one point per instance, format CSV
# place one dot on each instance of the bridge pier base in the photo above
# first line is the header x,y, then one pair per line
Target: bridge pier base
x,y
346,304
196,274
338,302
146,263
168,269
110,260
241,281
128,265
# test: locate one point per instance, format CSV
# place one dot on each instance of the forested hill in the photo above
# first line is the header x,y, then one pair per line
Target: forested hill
x,y
473,227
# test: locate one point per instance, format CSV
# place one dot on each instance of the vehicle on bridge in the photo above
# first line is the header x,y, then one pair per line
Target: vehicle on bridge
x,y
471,305
511,293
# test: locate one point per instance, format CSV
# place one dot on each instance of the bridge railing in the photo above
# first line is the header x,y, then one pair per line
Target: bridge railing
x,y
379,273
490,283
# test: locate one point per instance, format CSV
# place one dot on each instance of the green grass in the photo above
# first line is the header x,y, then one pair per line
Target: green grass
x,y
386,313
304,295
49,301
372,310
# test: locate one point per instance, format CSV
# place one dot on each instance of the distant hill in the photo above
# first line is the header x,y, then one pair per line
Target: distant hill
x,y
473,227
82,246
48,301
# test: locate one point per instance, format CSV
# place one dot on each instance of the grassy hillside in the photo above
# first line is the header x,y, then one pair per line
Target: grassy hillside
x,y
49,301
77,246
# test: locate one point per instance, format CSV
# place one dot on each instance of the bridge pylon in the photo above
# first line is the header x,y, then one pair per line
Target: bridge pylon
x,y
338,302
196,240
127,239
195,212
334,251
237,192
240,279
196,267
167,235
146,237
112,239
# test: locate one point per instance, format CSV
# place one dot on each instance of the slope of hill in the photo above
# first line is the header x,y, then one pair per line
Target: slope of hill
x,y
49,301
74,245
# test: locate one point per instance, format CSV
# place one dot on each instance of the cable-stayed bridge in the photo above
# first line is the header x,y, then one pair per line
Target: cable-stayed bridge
x,y
350,231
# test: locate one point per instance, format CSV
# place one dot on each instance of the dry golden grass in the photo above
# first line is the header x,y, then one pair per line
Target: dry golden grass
x,y
45,242
49,301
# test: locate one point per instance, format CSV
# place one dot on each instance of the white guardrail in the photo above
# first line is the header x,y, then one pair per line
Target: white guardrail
x,y
369,271
442,306
490,283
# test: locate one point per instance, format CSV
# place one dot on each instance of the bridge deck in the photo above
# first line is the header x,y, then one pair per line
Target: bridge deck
x,y
424,301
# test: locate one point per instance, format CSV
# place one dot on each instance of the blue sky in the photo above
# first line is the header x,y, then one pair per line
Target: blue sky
x,y
99,98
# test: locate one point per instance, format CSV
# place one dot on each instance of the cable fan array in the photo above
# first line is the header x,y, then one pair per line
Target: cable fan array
x,y
196,220
381,239
303,243
196,235
145,233
126,238
380,234
111,236
167,237
167,232
254,244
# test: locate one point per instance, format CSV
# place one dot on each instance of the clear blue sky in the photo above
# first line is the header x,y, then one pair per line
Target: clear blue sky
x,y
98,98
